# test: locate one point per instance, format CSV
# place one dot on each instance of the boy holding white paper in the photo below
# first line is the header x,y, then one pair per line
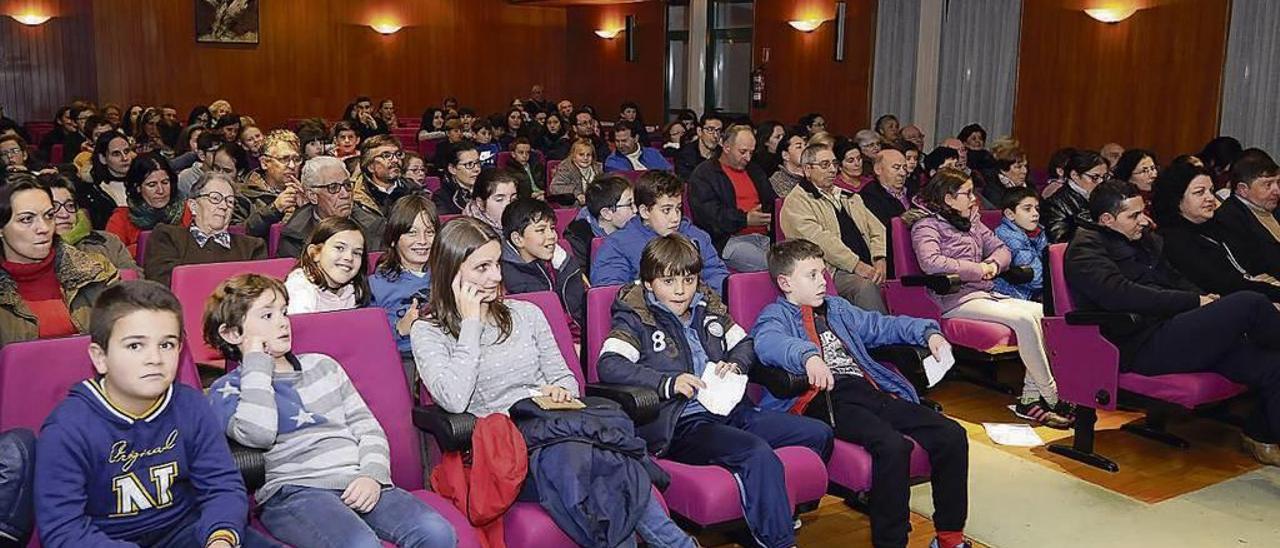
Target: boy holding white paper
x,y
667,331
826,338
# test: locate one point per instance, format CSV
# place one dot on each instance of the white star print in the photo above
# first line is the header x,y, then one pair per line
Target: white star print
x,y
303,417
227,391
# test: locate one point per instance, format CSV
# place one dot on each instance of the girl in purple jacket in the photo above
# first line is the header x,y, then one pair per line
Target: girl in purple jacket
x,y
950,239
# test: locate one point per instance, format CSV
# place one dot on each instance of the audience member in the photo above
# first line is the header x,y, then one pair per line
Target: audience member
x,y
537,101
457,186
380,181
64,124
1111,152
1218,155
207,240
1064,211
1247,221
271,192
330,274
888,197
1008,171
789,172
701,149
146,136
852,174
82,159
1021,232
962,161
327,193
769,136
949,238
185,151
482,133
812,123
630,155
610,205
345,140
1057,171
825,338
214,156
532,260
732,200
152,201
1175,327
868,144
105,190
14,158
432,124
1139,167
313,138
401,283
673,135
912,134
363,119
229,126
569,183
529,171
658,197
889,129
73,228
554,141
495,189
586,126
974,137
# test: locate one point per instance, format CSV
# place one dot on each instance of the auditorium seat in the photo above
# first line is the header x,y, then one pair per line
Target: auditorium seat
x,y
141,248
194,283
504,158
908,295
850,465
361,341
273,239
56,154
128,274
1087,369
551,169
564,216
427,149
706,496
778,236
991,217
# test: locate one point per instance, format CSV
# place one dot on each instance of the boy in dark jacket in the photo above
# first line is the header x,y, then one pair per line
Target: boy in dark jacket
x,y
130,456
667,330
533,261
1117,266
610,205
808,332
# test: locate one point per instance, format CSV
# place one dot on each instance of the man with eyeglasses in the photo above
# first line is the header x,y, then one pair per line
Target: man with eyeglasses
x,y
329,194
1247,221
75,139
585,126
732,200
701,149
270,193
853,240
14,157
211,155
380,181
629,155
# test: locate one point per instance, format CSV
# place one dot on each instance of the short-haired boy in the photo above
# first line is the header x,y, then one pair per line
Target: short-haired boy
x,y
1021,232
610,205
808,332
533,261
327,460
130,457
659,205
666,332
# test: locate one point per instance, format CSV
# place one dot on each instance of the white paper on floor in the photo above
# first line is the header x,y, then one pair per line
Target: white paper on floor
x,y
721,393
1017,434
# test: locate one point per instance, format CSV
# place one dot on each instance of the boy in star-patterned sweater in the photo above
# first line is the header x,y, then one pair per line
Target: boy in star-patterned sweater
x,y
328,477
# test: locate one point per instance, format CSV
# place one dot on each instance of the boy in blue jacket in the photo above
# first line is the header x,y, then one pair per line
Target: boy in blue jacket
x,y
659,198
1020,230
131,458
666,331
807,332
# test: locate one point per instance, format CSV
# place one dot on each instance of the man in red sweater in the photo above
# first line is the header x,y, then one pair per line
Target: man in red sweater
x,y
733,201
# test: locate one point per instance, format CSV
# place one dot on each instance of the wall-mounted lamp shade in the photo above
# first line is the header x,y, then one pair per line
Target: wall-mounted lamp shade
x,y
806,25
31,19
1111,15
386,28
608,34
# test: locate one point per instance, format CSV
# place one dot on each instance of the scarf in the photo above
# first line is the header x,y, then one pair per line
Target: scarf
x,y
79,230
1034,233
146,217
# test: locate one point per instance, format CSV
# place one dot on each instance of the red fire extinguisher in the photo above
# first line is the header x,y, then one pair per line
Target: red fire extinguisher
x,y
758,88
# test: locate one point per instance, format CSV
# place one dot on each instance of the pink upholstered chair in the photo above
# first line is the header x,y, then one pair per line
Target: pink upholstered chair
x,y
193,284
273,239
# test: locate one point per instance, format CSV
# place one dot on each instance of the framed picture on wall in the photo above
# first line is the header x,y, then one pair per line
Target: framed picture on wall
x,y
227,21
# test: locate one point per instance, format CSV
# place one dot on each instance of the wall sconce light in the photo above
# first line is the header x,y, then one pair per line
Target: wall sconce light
x,y
608,34
806,25
386,28
31,19
1111,15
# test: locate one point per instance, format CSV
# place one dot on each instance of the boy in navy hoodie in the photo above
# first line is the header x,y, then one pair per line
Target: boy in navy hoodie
x,y
131,457
532,260
666,332
808,332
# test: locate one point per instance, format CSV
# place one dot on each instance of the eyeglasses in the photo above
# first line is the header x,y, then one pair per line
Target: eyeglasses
x,y
418,169
216,198
390,154
967,193
1149,170
334,188
1096,177
290,160
11,153
825,164
627,205
69,205
474,164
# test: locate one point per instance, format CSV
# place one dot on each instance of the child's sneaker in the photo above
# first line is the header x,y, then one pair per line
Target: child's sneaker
x,y
1066,409
1040,412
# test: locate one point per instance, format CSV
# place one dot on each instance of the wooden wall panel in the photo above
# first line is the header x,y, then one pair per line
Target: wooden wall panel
x,y
42,67
315,55
1152,81
802,75
597,72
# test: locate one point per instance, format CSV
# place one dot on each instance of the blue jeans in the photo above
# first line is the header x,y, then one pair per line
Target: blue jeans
x,y
307,516
186,533
657,529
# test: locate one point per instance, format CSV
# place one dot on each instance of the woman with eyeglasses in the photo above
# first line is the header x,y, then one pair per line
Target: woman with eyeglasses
x,y
459,183
1009,171
1140,168
112,156
207,240
73,228
949,239
1059,213
271,192
47,287
153,199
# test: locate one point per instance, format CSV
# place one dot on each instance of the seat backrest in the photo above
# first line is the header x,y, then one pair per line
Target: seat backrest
x,y
56,154
360,339
431,183
904,256
749,292
236,229
444,219
1057,277
595,246
504,158
140,250
36,375
549,303
427,149
778,236
194,283
564,216
273,239
599,322
374,256
991,217
128,275
551,169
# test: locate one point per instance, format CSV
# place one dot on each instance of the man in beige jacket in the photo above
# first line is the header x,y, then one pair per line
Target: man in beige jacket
x,y
852,239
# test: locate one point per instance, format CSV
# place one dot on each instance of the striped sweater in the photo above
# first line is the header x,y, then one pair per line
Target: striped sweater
x,y
315,427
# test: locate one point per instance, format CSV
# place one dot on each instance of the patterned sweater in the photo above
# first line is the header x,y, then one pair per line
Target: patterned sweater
x,y
315,427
